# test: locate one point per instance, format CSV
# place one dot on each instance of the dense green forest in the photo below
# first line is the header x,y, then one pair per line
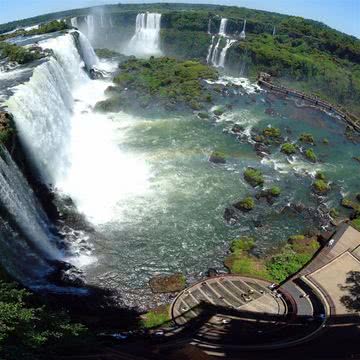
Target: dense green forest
x,y
304,54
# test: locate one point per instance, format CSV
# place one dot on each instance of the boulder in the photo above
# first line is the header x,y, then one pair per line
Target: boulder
x,y
167,283
217,157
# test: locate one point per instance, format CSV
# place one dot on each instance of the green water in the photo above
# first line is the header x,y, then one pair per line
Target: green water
x,y
177,224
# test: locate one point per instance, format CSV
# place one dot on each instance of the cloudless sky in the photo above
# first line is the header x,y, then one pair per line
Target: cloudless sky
x,y
343,15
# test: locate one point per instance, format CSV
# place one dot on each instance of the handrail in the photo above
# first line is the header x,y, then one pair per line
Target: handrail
x,y
316,101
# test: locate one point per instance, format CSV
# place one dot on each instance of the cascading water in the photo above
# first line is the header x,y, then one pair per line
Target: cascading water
x,y
222,28
26,238
222,57
74,22
242,34
210,49
90,27
214,56
274,31
146,40
209,27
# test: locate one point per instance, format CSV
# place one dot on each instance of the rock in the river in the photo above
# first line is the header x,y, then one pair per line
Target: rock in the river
x,y
167,283
217,157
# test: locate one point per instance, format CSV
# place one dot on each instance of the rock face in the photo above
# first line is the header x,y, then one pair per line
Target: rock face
x,y
167,283
6,126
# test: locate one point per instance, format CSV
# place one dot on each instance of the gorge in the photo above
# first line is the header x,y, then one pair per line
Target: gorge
x,y
154,188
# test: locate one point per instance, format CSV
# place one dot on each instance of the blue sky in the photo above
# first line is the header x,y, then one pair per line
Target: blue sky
x,y
343,15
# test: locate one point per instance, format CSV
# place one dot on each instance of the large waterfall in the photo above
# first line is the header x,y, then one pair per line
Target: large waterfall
x,y
26,238
146,40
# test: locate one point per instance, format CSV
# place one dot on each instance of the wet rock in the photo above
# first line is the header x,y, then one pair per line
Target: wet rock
x,y
211,272
66,274
217,157
237,129
167,283
229,214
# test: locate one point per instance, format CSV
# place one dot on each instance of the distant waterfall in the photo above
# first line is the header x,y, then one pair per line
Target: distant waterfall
x,y
222,57
242,34
89,19
146,40
216,57
222,28
209,27
74,22
274,31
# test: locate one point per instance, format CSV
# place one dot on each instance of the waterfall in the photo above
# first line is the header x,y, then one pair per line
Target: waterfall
x,y
214,57
111,21
222,57
146,40
210,49
215,53
242,34
274,31
87,52
74,22
209,27
102,20
26,239
42,108
89,19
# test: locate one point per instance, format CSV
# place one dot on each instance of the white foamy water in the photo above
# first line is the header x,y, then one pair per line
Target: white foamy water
x,y
146,40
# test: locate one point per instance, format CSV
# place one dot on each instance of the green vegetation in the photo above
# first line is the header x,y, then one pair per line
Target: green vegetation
x,y
110,54
42,29
159,81
321,186
274,191
254,177
310,155
27,329
320,176
288,148
334,213
7,127
288,262
272,132
325,141
18,53
306,138
348,203
245,243
156,317
218,157
356,223
245,204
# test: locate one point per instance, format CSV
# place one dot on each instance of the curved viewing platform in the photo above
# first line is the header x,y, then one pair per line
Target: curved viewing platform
x,y
228,314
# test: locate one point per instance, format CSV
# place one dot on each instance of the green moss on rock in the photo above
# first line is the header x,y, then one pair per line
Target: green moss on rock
x,y
310,155
321,186
272,132
288,149
245,204
254,177
306,138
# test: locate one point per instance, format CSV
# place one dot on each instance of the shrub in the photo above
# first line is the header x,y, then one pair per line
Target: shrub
x,y
295,238
320,176
245,243
288,262
17,53
306,138
334,213
321,186
288,148
356,224
272,132
325,141
254,177
246,204
274,191
310,155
